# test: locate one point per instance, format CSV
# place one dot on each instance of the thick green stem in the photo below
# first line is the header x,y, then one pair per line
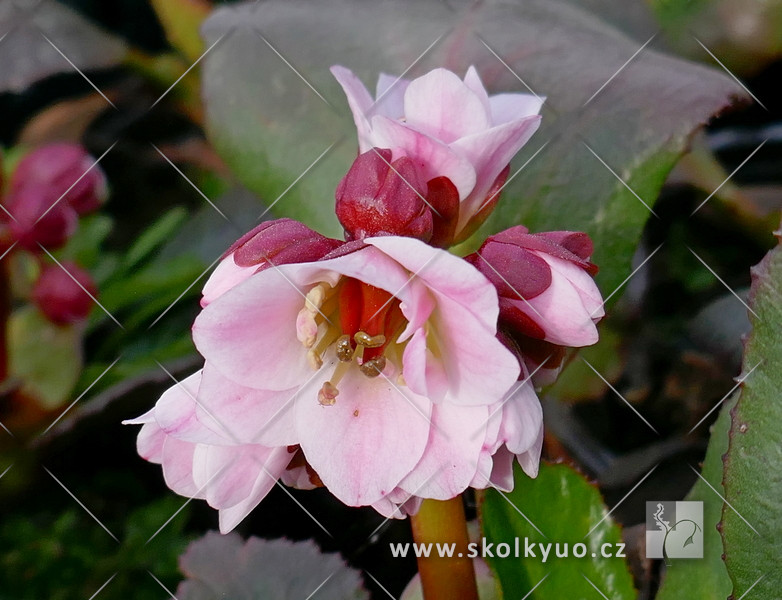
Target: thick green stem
x,y
443,522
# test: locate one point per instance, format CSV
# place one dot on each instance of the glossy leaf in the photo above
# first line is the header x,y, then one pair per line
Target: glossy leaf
x,y
28,55
707,578
752,521
559,506
281,122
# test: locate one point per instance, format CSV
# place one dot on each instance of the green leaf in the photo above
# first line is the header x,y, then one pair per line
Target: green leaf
x,y
180,20
752,475
46,357
563,507
155,236
705,579
271,127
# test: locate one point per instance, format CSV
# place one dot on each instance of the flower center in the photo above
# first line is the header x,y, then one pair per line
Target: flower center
x,y
359,320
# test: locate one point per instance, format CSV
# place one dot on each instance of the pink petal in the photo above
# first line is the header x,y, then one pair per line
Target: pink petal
x,y
442,106
530,460
502,471
504,141
227,275
246,415
390,96
473,81
273,466
424,373
479,368
432,157
450,459
522,418
360,102
583,283
149,443
560,310
512,107
178,465
364,444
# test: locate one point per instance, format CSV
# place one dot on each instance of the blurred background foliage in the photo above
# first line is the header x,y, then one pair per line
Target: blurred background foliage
x,y
671,346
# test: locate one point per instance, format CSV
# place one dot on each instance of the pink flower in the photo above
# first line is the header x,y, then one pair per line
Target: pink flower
x,y
377,362
449,128
548,299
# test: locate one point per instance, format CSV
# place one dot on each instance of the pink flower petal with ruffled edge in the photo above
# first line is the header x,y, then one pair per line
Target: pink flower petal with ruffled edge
x,y
360,102
246,415
368,440
511,107
450,459
440,105
226,276
390,96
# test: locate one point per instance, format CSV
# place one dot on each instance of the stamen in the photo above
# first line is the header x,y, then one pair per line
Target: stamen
x,y
327,395
344,349
315,297
316,362
374,366
369,341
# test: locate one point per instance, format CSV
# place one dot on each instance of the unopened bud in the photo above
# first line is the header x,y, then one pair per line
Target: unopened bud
x,y
34,219
63,293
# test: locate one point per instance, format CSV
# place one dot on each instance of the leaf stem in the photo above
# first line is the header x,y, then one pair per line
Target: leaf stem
x,y
443,522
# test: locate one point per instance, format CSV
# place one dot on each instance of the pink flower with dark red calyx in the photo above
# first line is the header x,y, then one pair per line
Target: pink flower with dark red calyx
x,y
448,127
545,284
373,371
34,220
64,297
381,197
272,243
58,168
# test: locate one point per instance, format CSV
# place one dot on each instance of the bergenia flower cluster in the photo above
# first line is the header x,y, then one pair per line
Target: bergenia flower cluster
x,y
383,367
49,190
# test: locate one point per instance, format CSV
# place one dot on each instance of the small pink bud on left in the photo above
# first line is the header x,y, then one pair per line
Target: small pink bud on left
x,y
34,219
63,296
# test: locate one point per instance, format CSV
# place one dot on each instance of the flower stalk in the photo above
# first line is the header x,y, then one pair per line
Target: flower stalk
x,y
441,522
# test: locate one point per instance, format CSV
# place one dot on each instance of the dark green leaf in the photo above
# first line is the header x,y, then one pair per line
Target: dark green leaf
x,y
564,508
752,521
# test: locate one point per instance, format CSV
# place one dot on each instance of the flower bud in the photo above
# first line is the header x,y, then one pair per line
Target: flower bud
x,y
59,168
33,219
61,296
380,197
545,286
